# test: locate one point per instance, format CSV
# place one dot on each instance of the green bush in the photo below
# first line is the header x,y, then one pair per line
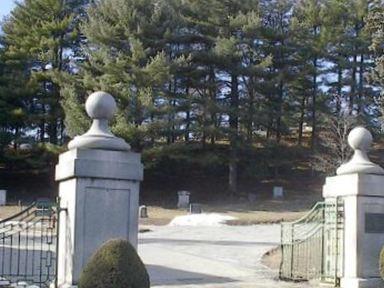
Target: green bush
x,y
382,263
115,265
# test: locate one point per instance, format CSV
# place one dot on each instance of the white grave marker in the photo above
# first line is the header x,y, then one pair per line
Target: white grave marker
x,y
278,192
183,200
3,197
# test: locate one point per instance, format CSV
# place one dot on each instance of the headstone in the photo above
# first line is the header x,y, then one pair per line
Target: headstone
x,y
252,197
278,192
143,212
195,208
3,197
183,199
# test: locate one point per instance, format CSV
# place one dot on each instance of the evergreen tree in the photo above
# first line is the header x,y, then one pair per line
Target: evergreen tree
x,y
375,27
15,101
300,88
38,32
310,15
124,60
276,36
348,51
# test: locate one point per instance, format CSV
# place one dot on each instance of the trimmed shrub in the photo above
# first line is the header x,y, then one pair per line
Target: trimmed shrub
x,y
115,265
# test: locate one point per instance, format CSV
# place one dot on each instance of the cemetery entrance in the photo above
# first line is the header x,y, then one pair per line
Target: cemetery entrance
x,y
28,242
312,247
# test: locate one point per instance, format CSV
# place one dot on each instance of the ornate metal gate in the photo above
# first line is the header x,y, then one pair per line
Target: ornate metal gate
x,y
28,245
333,242
312,247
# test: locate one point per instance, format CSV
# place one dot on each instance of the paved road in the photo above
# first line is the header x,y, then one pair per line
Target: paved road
x,y
210,257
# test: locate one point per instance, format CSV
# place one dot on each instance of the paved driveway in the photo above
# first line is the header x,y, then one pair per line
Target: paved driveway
x,y
214,257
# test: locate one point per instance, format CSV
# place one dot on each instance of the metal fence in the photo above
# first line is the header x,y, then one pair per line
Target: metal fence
x,y
28,245
312,246
333,242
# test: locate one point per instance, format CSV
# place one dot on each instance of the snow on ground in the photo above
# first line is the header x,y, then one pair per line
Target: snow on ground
x,y
204,219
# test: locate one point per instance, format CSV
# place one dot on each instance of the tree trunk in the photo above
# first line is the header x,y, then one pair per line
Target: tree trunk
x,y
279,111
301,121
152,117
173,131
233,167
314,100
204,127
339,90
15,139
173,113
212,99
42,131
187,125
188,116
353,85
361,84
251,111
52,128
269,131
62,131
233,135
169,114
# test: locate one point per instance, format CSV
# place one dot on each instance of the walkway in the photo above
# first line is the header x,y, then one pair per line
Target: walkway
x,y
210,257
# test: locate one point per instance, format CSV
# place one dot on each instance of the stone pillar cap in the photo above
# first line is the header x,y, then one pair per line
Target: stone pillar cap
x,y
360,140
101,107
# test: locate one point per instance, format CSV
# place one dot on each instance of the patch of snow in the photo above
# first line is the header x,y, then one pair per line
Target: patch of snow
x,y
204,219
4,282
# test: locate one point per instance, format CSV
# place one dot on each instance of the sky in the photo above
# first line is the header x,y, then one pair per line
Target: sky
x,y
6,7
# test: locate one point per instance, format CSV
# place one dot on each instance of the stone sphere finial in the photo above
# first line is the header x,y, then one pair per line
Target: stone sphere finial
x,y
360,140
101,107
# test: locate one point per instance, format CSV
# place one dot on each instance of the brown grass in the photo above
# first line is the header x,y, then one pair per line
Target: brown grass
x,y
246,213
160,216
8,211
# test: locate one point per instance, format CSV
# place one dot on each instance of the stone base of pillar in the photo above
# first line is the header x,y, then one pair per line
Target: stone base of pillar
x,y
66,286
100,191
362,283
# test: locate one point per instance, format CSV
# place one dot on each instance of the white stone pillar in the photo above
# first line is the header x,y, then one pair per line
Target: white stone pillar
x,y
99,180
360,184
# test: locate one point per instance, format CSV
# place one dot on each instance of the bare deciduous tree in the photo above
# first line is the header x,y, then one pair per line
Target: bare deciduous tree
x,y
333,149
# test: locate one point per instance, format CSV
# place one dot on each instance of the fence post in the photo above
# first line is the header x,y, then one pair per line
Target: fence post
x,y
99,181
360,185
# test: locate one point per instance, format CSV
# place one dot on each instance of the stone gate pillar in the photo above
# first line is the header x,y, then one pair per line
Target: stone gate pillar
x,y
360,184
99,181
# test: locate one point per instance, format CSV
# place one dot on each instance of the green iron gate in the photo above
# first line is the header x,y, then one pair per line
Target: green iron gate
x,y
312,247
28,245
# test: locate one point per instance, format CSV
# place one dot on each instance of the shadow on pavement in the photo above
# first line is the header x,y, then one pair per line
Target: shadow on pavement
x,y
161,275
197,242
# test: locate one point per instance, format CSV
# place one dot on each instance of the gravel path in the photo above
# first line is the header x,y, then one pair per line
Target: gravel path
x,y
210,257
